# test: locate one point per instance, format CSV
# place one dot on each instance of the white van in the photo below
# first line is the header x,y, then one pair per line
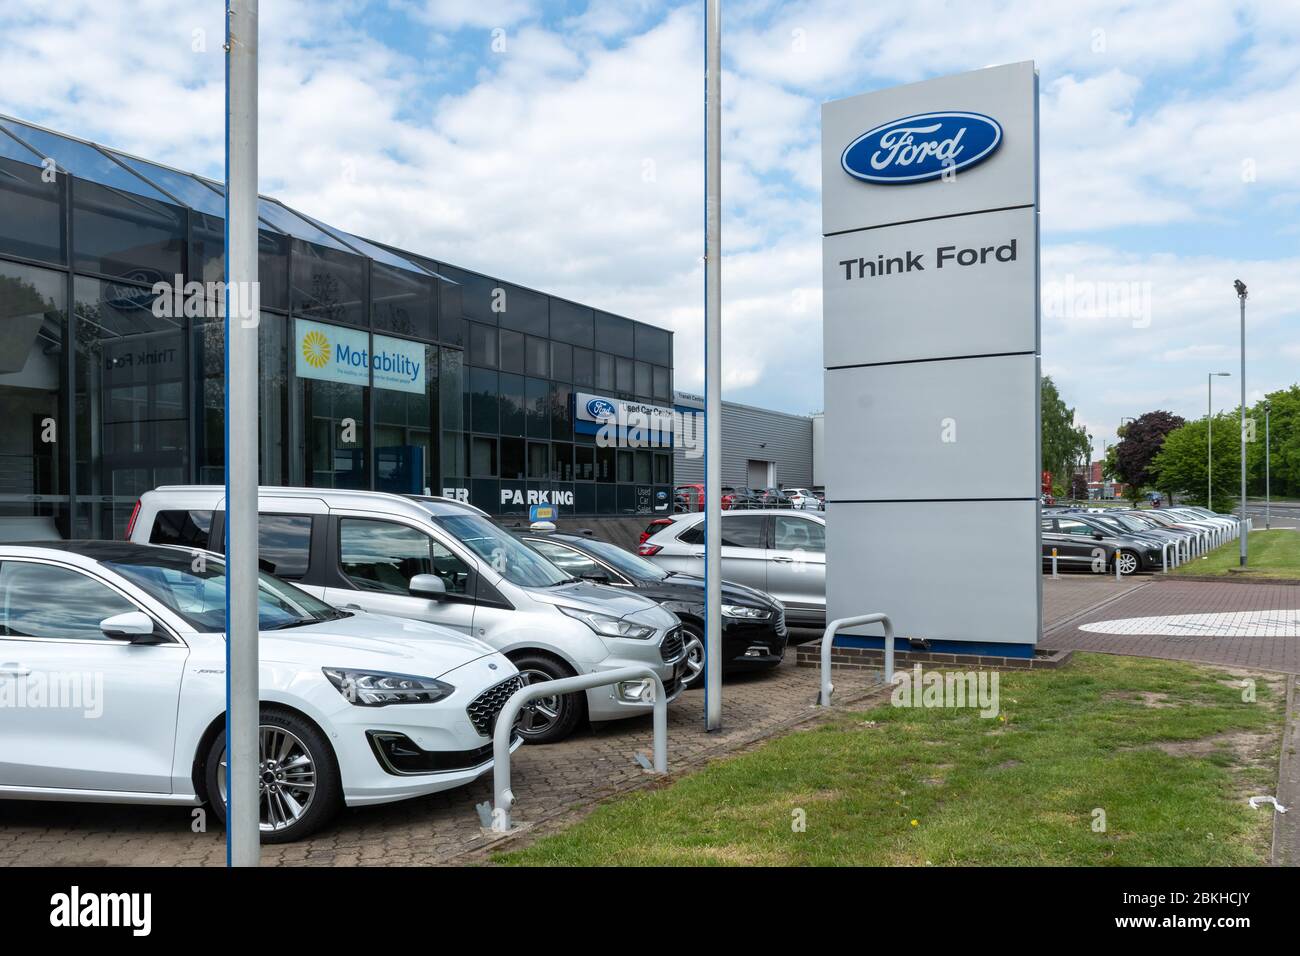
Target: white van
x,y
442,561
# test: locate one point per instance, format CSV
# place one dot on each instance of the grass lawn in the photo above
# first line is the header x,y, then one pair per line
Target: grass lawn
x,y
1168,751
1272,554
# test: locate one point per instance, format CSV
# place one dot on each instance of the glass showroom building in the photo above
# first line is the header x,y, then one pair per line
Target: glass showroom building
x,y
379,368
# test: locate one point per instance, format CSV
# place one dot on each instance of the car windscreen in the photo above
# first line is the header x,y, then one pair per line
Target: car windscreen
x,y
625,561
508,556
195,589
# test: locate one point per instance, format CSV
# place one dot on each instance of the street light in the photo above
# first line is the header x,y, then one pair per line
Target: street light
x,y
1242,536
1209,436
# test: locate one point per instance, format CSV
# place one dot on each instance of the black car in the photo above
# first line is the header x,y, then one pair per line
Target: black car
x,y
753,623
1084,542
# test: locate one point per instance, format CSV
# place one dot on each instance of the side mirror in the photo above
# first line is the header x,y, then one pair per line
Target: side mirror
x,y
428,586
134,626
1099,536
596,577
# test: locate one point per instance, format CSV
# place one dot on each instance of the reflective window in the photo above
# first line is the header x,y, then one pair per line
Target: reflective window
x,y
572,323
663,389
604,372
131,411
188,189
335,431
298,226
384,556
562,362
582,367
512,351
561,402
477,293
402,301
33,381
27,611
31,210
566,559
483,457
512,404
484,401
328,285
797,534
615,334
653,345
539,464
623,380
744,531
482,345
284,544
513,465
451,388
537,410
83,160
406,429
523,310
188,529
643,386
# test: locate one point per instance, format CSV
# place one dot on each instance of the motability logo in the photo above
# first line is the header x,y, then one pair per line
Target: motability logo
x,y
921,147
316,349
601,409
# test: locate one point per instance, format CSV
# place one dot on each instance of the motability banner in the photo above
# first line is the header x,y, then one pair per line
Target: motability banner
x,y
336,354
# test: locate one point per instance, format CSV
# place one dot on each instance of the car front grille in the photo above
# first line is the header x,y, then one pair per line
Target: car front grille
x,y
779,623
673,645
483,709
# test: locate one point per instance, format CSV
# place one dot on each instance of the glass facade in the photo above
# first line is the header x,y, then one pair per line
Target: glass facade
x,y
378,368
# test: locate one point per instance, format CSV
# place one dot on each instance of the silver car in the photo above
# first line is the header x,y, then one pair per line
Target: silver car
x,y
775,550
441,561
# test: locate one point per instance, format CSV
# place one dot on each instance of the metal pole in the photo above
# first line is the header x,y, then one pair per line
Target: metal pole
x,y
828,639
1209,440
1241,296
243,839
713,366
1267,517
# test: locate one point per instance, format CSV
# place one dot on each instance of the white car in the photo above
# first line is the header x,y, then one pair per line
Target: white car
x,y
113,690
444,562
803,499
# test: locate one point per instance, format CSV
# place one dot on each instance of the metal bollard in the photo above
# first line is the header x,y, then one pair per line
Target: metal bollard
x,y
503,796
1055,576
828,638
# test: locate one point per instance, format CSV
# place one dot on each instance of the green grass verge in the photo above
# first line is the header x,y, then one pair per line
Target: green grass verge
x,y
1272,554
1168,751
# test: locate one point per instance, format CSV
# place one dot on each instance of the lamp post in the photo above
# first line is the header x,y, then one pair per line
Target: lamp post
x,y
713,367
1242,536
1209,436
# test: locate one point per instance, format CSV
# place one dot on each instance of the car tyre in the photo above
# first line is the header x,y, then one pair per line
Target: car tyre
x,y
694,637
306,748
547,719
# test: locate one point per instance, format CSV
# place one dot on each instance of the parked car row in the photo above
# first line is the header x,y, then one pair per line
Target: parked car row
x,y
1100,539
690,498
394,629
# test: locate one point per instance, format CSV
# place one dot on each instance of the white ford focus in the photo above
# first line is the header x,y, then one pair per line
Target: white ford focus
x,y
113,689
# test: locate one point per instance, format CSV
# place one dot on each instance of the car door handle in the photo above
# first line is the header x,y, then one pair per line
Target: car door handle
x,y
783,560
14,669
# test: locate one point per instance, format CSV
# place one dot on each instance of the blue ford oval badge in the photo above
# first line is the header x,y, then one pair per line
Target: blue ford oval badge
x,y
599,408
921,147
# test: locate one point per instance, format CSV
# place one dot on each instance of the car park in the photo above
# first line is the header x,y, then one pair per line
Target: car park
x,y
753,623
1085,544
803,499
356,708
442,561
777,551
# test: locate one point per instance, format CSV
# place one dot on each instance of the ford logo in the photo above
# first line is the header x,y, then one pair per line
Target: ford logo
x,y
916,148
600,408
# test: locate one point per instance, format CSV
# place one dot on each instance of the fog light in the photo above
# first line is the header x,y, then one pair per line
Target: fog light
x,y
636,691
756,651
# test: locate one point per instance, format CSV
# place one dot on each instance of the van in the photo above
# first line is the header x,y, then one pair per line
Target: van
x,y
443,561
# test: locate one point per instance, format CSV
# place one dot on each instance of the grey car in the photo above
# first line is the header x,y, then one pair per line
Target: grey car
x,y
780,551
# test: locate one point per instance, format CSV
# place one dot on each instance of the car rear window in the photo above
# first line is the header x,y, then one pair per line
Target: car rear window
x,y
188,528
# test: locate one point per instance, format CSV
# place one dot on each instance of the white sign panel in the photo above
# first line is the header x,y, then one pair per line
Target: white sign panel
x,y
960,432
962,285
335,354
930,305
923,129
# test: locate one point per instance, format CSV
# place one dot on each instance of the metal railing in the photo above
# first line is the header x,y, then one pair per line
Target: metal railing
x,y
502,796
828,639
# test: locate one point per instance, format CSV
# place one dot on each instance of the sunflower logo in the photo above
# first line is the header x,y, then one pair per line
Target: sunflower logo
x,y
316,349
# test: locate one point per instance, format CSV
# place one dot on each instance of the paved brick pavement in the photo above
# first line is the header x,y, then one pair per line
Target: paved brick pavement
x,y
1280,653
549,781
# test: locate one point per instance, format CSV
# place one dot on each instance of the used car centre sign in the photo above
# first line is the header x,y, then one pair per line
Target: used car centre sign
x,y
930,299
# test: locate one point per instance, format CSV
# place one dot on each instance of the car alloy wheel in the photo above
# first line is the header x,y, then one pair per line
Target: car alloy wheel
x,y
1127,561
286,782
694,660
541,714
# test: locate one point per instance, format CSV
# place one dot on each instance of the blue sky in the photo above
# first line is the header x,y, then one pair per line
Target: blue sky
x,y
560,145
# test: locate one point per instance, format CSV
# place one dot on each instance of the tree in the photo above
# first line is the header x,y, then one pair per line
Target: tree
x,y
1064,443
1180,465
1284,441
1140,442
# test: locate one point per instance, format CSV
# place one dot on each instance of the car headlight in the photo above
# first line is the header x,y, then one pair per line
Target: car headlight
x,y
740,612
378,688
607,625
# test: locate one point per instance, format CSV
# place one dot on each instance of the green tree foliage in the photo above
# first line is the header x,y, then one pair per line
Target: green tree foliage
x,y
1140,442
1065,445
1180,467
